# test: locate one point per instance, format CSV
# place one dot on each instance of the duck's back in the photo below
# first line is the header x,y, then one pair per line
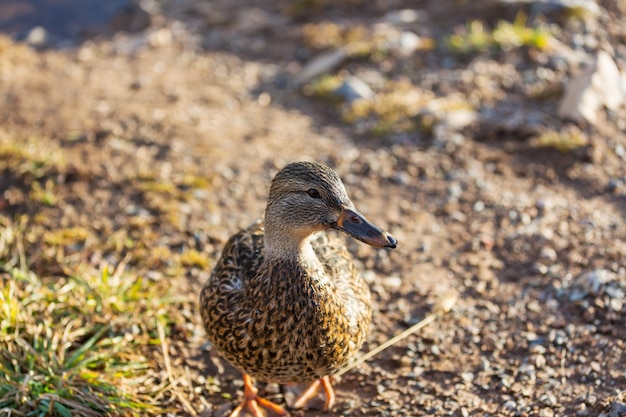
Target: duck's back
x,y
278,321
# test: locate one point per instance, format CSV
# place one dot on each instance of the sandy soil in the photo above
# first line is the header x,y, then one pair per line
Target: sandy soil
x,y
531,239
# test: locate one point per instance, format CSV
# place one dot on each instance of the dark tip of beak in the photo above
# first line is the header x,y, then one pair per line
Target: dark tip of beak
x,y
353,223
393,242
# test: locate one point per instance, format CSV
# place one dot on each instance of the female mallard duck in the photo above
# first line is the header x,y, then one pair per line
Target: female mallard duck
x,y
284,303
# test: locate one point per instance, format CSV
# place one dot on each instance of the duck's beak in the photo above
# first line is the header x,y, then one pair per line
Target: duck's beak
x,y
356,225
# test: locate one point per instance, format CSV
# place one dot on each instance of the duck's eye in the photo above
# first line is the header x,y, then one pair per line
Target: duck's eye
x,y
313,193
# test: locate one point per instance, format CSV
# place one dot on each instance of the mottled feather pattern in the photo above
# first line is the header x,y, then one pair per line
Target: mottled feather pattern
x,y
283,322
284,302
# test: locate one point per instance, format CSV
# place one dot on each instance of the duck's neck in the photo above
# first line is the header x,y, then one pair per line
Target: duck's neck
x,y
296,270
285,246
295,250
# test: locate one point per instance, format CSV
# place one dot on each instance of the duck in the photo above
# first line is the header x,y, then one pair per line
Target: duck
x,y
285,303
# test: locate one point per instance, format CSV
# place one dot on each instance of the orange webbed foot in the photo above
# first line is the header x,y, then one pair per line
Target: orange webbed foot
x,y
313,390
253,404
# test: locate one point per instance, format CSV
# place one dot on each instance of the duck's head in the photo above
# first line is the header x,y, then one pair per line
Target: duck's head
x,y
307,197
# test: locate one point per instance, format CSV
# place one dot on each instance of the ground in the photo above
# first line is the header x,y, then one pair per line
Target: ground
x,y
151,142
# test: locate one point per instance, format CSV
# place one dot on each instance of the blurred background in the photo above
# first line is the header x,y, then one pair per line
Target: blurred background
x,y
488,137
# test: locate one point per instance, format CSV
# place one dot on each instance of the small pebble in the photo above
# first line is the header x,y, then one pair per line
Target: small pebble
x,y
540,361
547,254
392,282
543,205
402,178
538,349
467,376
510,405
539,268
353,89
37,37
614,184
479,206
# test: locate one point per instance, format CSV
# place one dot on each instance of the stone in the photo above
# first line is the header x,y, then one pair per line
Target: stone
x,y
354,88
598,85
592,281
405,44
38,37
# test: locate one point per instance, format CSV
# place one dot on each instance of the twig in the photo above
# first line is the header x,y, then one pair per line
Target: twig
x,y
121,266
11,411
442,308
168,368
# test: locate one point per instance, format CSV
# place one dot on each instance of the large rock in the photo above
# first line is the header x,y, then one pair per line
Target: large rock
x,y
598,85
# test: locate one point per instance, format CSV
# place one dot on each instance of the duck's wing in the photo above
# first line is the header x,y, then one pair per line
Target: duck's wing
x,y
241,257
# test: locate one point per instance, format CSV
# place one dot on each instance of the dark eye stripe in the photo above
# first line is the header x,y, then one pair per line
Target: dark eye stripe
x,y
313,193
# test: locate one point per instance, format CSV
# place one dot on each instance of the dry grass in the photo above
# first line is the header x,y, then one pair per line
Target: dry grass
x,y
477,37
398,106
565,141
86,344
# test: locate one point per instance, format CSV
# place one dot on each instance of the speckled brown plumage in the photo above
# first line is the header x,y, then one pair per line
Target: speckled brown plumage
x,y
280,322
284,302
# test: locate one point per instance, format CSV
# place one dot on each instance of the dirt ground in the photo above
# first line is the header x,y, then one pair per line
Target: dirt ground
x,y
172,122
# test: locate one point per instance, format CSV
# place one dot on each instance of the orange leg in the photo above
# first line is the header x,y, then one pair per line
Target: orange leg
x,y
312,391
254,404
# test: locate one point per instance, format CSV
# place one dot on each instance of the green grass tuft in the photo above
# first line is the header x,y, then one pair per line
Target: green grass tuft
x,y
565,141
33,157
476,37
78,346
